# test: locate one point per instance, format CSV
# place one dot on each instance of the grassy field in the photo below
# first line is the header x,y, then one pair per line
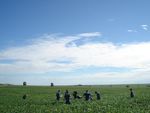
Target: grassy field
x,y
41,99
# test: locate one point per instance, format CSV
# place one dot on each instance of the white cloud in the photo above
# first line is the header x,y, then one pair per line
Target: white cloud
x,y
40,55
92,34
145,27
50,53
131,31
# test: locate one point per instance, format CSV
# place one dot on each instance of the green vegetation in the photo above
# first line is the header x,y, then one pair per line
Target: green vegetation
x,y
115,99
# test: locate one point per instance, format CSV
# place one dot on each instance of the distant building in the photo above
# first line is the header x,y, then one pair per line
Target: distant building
x,y
24,83
127,86
52,84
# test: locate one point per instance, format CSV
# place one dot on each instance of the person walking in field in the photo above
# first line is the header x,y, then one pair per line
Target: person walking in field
x,y
98,97
24,96
76,96
58,95
75,93
131,93
87,95
67,97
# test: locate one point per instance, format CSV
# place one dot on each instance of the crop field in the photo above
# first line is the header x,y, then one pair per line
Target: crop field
x,y
41,99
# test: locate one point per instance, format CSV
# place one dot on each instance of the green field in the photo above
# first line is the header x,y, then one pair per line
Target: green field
x,y
41,99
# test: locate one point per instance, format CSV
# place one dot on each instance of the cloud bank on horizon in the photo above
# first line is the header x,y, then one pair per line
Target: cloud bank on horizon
x,y
66,54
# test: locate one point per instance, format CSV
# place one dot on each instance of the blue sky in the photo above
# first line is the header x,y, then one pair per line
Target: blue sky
x,y
74,41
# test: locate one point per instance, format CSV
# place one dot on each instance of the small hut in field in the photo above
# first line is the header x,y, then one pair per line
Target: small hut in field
x,y
52,84
24,83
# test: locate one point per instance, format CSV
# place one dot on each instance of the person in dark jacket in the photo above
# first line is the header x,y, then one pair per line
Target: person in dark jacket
x,y
24,96
58,95
75,94
67,97
87,95
98,97
131,93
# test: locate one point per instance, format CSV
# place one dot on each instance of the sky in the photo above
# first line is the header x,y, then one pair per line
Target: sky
x,y
70,42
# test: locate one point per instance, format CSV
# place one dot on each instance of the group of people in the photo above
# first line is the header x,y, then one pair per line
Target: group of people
x,y
87,95
67,96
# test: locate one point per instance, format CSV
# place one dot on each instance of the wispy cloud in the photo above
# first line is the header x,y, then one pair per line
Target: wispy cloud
x,y
145,27
93,34
132,31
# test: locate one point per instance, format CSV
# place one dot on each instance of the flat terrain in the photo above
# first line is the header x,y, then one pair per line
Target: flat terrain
x,y
41,99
